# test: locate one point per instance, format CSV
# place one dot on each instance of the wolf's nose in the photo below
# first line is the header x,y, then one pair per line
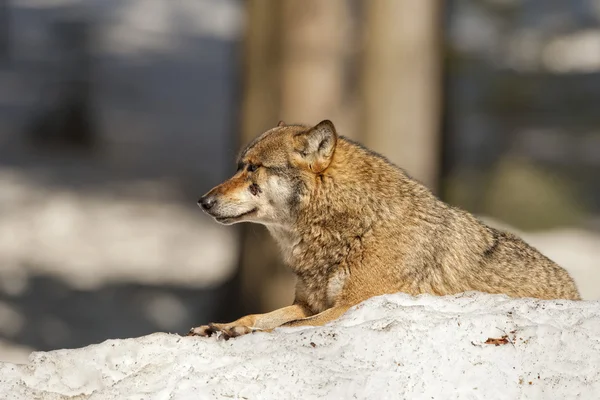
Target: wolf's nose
x,y
207,202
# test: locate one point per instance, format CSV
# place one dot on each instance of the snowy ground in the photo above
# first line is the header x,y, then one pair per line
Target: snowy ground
x,y
468,346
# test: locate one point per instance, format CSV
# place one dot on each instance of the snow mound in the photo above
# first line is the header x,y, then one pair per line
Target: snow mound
x,y
396,346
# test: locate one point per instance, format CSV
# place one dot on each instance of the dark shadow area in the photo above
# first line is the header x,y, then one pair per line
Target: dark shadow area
x,y
57,316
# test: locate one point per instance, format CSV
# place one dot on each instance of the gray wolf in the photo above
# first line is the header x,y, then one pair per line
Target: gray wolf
x,y
351,225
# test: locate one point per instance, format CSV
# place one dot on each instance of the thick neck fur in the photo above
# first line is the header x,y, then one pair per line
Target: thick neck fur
x,y
339,207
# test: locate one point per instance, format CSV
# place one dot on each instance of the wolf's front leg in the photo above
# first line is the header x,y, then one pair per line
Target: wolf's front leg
x,y
254,322
321,318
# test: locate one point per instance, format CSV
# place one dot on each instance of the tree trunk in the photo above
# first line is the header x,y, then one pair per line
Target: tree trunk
x,y
313,58
260,111
402,84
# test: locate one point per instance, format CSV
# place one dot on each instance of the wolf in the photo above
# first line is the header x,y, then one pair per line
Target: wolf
x,y
351,225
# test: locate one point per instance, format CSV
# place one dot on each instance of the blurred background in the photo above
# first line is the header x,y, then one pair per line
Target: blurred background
x,y
116,115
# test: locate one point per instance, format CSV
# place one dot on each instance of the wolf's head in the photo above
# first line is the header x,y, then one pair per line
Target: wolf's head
x,y
274,174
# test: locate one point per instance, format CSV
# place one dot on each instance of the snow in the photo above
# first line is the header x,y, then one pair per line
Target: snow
x,y
393,346
93,238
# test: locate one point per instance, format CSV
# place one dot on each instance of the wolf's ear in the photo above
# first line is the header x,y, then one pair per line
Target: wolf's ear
x,y
280,124
316,145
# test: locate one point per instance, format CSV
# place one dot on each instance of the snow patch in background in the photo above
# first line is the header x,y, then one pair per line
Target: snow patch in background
x,y
93,238
393,346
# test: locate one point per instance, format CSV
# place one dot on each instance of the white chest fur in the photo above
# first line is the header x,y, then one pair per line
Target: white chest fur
x,y
334,286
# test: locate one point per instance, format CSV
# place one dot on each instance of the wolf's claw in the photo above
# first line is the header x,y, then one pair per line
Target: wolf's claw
x,y
204,330
227,332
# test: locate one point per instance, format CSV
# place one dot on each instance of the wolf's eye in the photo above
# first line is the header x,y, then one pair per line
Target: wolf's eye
x,y
251,167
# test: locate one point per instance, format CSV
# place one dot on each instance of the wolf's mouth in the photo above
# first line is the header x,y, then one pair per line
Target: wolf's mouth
x,y
233,218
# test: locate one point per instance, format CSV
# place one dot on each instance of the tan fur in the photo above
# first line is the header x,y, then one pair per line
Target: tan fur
x,y
351,225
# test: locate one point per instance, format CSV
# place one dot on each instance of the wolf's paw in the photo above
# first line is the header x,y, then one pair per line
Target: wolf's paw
x,y
223,331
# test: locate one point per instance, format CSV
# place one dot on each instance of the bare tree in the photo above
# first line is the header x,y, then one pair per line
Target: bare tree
x,y
260,111
401,83
313,59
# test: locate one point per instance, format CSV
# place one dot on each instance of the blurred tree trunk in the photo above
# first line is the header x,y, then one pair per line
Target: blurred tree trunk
x,y
313,58
260,111
292,71
402,84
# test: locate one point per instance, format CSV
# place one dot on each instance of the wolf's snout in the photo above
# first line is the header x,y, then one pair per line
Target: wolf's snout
x,y
207,202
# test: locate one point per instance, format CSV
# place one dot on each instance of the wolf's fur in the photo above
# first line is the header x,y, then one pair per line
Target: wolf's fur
x,y
351,225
